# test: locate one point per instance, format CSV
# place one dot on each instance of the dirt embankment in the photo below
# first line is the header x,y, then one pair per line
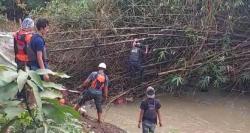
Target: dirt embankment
x,y
91,125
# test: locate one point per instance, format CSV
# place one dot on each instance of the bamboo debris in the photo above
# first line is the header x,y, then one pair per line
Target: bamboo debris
x,y
188,39
106,29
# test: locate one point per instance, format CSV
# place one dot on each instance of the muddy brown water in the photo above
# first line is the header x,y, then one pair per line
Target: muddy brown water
x,y
210,112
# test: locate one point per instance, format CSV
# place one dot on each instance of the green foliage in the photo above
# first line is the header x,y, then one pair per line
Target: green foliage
x,y
21,79
70,13
192,35
245,77
175,80
204,82
2,6
12,111
211,75
54,110
244,80
226,42
70,125
162,55
8,92
34,4
8,75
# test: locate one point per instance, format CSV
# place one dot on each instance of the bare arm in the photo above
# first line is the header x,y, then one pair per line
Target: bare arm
x,y
106,85
159,117
140,118
41,64
40,59
106,93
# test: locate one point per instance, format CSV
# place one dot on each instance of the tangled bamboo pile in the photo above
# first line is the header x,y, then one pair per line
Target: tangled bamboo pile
x,y
180,43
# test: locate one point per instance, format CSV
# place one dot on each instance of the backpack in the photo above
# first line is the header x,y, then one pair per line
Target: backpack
x,y
23,51
150,112
99,81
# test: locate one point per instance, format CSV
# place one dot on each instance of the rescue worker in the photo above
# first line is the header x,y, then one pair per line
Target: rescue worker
x,y
30,47
150,112
96,84
21,43
136,58
22,39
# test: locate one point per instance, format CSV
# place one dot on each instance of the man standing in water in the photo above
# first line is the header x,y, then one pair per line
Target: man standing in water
x,y
150,111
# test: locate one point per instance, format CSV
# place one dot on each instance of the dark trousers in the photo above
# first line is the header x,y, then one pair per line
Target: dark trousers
x,y
135,69
90,94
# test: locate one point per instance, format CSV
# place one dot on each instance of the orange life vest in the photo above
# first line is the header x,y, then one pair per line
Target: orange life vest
x,y
99,81
22,40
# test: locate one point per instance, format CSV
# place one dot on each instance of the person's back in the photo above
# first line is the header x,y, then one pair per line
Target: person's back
x,y
96,84
150,112
150,106
135,55
22,40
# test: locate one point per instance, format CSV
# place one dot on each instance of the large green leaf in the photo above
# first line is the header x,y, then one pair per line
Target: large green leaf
x,y
44,71
6,104
7,77
3,68
8,92
54,110
36,79
47,71
12,111
52,85
13,103
22,79
61,75
50,94
37,97
6,67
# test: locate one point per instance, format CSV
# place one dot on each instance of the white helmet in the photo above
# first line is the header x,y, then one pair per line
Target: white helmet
x,y
102,65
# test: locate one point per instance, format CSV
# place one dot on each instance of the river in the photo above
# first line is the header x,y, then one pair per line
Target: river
x,y
209,112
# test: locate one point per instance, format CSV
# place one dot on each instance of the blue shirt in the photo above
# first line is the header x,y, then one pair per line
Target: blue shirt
x,y
37,44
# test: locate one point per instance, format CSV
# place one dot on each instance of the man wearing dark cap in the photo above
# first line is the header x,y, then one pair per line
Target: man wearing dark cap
x,y
150,112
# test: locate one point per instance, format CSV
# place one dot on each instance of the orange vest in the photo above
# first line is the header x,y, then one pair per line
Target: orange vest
x,y
22,40
98,82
